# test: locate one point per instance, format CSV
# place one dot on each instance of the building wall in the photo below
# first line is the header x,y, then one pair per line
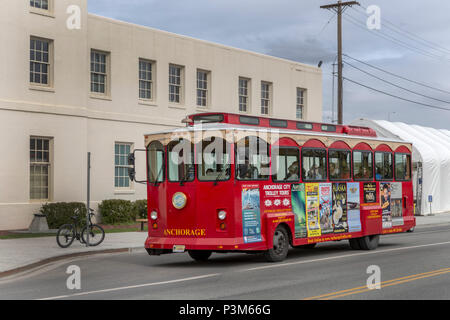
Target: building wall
x,y
79,122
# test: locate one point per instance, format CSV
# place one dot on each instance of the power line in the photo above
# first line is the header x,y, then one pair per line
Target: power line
x,y
326,25
395,85
394,96
408,34
396,75
380,34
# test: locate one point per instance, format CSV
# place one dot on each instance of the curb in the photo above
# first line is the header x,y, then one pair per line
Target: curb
x,y
437,224
46,261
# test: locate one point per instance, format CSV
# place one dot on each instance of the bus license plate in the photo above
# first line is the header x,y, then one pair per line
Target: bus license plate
x,y
178,248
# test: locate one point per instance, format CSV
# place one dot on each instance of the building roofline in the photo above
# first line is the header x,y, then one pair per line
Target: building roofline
x,y
218,45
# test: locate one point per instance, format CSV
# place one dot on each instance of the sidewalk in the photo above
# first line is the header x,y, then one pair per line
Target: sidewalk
x,y
19,254
31,252
436,219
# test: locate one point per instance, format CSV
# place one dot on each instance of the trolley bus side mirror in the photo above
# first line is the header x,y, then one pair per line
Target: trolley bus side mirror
x,y
132,166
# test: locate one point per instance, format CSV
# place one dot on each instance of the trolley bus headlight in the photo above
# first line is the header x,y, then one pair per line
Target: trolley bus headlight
x,y
179,200
154,215
222,215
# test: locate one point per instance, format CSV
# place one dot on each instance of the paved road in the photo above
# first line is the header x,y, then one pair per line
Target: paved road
x,y
413,266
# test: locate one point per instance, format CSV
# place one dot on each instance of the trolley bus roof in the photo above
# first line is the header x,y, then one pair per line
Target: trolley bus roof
x,y
236,127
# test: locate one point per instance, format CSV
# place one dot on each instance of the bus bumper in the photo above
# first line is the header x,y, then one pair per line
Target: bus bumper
x,y
163,245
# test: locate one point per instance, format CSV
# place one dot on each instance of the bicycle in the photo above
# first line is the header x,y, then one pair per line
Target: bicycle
x,y
67,233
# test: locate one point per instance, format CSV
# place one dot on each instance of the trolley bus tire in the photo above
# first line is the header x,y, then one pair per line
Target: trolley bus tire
x,y
199,255
369,242
354,244
280,246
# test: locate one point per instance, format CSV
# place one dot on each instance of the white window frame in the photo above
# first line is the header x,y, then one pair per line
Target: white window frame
x,y
40,162
40,2
266,98
176,81
203,88
37,62
100,73
147,77
121,166
300,106
245,94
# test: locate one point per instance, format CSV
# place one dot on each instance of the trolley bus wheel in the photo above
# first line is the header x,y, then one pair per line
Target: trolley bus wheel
x,y
199,255
280,246
354,244
369,242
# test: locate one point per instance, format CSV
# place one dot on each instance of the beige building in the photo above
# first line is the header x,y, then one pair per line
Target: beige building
x,y
72,82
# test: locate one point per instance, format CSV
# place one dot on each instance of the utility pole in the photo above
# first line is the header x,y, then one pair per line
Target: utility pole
x,y
339,8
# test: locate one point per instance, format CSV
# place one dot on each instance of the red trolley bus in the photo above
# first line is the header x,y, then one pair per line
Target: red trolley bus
x,y
237,183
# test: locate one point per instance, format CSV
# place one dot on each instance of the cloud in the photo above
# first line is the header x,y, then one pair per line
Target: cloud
x,y
301,31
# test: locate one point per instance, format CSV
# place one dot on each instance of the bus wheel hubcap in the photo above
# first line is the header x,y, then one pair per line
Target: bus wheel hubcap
x,y
279,242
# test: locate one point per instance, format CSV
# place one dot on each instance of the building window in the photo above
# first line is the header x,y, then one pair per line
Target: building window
x,y
145,79
175,83
244,94
40,4
39,168
300,107
203,88
121,179
40,61
266,97
99,72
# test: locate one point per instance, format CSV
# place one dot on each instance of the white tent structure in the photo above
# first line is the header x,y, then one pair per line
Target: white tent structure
x,y
431,161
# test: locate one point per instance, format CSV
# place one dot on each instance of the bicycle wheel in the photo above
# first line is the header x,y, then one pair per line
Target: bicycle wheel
x,y
96,235
65,235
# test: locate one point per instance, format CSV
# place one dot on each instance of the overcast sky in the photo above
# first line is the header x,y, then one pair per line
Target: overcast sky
x,y
299,30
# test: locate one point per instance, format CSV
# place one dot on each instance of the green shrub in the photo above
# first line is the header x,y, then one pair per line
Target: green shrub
x,y
116,211
140,209
62,212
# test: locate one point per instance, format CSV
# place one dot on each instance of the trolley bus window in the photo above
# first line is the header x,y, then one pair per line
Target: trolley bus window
x,y
285,164
215,161
383,166
314,166
339,164
252,159
212,118
155,158
362,165
402,167
181,161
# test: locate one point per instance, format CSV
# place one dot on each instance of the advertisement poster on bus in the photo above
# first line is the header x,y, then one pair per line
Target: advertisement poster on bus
x,y
276,198
385,202
326,219
251,217
370,192
396,204
312,209
353,207
340,208
299,210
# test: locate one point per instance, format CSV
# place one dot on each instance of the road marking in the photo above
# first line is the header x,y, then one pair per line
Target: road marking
x,y
388,283
286,264
132,287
